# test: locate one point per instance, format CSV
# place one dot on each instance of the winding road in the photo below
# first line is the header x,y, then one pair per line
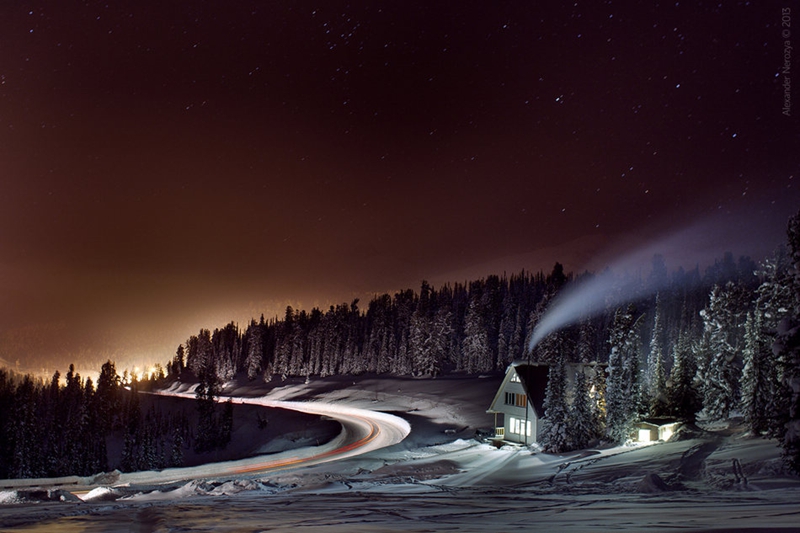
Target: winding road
x,y
363,431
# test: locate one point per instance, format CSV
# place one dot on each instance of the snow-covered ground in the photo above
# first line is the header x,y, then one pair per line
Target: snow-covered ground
x,y
441,478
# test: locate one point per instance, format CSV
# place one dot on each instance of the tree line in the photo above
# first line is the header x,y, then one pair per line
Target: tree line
x,y
63,427
714,343
473,327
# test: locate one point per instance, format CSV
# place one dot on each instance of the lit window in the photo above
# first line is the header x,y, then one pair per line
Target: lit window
x,y
514,377
520,427
521,400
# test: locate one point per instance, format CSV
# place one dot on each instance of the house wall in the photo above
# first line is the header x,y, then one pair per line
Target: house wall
x,y
645,433
525,416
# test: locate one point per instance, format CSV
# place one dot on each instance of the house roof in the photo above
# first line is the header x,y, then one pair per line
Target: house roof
x,y
658,421
534,380
533,377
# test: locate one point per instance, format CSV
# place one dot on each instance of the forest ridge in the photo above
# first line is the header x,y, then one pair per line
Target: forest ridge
x,y
714,344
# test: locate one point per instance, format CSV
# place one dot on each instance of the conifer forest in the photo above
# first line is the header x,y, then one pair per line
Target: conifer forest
x,y
692,343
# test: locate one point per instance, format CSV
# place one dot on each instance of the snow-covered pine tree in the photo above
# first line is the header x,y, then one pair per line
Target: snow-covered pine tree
x,y
683,398
623,387
582,423
775,300
758,375
176,450
475,346
516,343
199,351
255,350
436,344
380,332
506,348
401,360
297,357
555,432
722,323
419,342
787,348
597,388
315,345
205,400
107,398
656,373
284,344
585,346
178,362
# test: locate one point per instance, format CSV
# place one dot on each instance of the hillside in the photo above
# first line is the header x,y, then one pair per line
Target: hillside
x,y
443,478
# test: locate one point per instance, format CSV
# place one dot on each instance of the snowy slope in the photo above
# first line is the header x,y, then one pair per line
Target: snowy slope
x,y
443,479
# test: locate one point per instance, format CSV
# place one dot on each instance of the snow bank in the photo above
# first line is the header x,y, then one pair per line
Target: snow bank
x,y
100,494
197,488
8,496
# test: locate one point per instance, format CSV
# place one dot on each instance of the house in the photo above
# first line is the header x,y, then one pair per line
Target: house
x,y
520,401
654,429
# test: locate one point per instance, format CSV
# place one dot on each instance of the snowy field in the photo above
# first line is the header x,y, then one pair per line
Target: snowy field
x,y
441,478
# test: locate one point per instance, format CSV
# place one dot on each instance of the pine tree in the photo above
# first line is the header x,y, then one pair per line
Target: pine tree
x,y
684,400
585,347
176,454
556,430
476,351
205,398
506,343
419,341
656,374
623,388
107,398
179,361
597,390
787,347
722,325
225,425
429,339
775,300
758,375
582,422
200,356
128,462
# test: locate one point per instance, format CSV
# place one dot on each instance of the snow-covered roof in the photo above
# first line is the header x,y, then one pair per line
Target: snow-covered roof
x,y
657,422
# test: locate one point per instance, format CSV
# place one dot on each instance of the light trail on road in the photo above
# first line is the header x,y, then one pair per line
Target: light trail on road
x,y
363,431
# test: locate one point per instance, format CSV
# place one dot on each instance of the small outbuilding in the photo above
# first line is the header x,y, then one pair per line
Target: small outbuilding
x,y
654,429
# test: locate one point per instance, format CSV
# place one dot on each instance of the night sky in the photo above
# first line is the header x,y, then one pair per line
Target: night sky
x,y
166,166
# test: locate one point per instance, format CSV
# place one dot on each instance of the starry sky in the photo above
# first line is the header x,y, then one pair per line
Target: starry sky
x,y
166,166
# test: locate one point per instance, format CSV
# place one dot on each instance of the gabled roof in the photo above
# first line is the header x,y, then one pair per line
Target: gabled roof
x,y
533,378
534,381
